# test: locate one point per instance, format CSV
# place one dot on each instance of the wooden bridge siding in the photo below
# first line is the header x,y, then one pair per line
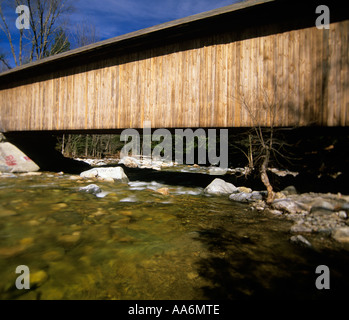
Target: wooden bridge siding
x,y
202,86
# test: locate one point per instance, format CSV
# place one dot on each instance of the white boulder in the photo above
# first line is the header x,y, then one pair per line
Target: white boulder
x,y
219,186
129,162
14,160
116,173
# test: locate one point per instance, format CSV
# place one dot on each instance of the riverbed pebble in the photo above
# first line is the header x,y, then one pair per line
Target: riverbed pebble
x,y
341,234
6,212
287,205
300,240
38,278
342,214
245,190
69,239
164,191
53,255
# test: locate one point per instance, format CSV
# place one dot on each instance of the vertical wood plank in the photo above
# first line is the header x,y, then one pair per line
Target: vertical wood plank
x,y
318,76
332,92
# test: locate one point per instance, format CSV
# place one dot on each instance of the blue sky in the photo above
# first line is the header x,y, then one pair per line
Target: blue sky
x,y
116,17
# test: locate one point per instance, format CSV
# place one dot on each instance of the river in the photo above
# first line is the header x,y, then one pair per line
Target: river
x,y
134,243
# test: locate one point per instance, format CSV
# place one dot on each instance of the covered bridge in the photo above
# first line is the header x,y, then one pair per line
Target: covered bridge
x,y
256,62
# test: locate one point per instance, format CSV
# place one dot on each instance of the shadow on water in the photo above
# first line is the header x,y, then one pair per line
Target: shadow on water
x,y
240,268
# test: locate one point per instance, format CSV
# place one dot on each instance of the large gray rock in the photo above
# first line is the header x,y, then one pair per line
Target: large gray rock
x,y
290,190
258,195
116,173
14,160
241,197
288,205
322,205
219,186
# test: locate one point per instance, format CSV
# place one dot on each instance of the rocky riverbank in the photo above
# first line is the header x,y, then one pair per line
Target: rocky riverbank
x,y
312,213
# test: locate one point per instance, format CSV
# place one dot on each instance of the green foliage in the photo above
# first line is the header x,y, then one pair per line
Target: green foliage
x,y
93,146
109,145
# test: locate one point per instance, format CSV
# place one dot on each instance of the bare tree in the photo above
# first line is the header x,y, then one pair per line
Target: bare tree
x,y
4,64
61,43
85,34
46,19
263,146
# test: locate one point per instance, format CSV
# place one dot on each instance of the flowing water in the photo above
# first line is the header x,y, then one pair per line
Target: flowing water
x,y
132,242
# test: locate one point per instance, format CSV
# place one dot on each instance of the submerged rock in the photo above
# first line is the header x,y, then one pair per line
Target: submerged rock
x,y
9,252
6,212
38,278
300,240
92,189
116,173
219,186
54,254
69,239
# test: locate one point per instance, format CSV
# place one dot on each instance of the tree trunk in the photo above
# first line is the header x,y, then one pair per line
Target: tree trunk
x,y
86,146
63,146
265,178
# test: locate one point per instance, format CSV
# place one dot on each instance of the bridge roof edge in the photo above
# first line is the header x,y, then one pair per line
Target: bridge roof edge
x,y
137,34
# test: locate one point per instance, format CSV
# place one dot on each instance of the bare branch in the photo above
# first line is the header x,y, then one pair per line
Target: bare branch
x,y
7,32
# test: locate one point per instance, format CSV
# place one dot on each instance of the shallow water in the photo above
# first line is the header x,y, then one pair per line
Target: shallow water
x,y
134,243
